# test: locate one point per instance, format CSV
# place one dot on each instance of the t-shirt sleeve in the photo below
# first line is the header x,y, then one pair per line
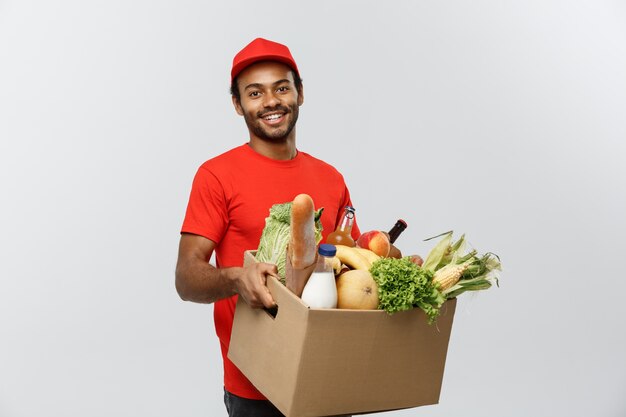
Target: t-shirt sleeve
x,y
206,213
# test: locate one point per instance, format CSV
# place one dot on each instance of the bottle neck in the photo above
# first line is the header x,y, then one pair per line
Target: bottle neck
x,y
346,222
323,264
396,230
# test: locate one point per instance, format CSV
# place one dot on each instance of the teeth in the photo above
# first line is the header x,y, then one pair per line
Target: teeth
x,y
273,117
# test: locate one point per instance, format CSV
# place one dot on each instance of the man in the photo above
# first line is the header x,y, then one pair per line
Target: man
x,y
231,196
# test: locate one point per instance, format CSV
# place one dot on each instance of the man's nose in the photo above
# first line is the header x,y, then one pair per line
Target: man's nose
x,y
271,100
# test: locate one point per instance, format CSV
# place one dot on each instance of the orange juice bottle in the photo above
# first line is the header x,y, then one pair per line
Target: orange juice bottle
x,y
342,236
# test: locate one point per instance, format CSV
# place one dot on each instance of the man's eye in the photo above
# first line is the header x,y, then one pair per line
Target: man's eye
x,y
254,94
283,89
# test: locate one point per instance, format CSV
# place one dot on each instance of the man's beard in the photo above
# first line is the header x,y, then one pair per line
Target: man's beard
x,y
276,135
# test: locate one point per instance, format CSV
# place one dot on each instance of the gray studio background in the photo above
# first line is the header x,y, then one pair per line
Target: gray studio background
x,y
504,120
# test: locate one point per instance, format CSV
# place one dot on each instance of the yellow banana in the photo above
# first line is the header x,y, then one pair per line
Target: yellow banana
x,y
352,258
368,254
336,265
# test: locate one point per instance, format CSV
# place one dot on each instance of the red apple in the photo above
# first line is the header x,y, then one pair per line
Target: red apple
x,y
417,260
376,241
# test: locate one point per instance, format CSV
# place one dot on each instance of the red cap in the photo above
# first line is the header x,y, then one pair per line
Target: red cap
x,y
262,50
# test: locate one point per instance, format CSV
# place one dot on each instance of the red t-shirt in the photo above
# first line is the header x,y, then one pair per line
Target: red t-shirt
x,y
230,198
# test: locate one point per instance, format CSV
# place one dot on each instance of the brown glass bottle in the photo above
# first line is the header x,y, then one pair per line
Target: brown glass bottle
x,y
343,234
396,230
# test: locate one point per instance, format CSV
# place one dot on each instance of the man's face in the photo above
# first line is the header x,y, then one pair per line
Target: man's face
x,y
269,101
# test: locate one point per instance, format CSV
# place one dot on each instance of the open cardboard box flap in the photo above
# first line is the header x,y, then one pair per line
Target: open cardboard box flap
x,y
319,362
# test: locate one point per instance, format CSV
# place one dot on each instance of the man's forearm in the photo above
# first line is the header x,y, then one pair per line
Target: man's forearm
x,y
201,282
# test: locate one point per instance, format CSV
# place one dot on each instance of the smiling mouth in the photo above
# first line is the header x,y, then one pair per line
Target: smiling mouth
x,y
273,119
273,116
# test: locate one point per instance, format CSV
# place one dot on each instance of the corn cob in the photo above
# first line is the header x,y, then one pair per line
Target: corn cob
x,y
449,275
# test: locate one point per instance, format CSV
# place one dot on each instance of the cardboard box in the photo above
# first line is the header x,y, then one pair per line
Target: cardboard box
x,y
316,362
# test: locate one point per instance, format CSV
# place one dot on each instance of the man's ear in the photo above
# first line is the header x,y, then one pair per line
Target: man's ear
x,y
300,96
237,106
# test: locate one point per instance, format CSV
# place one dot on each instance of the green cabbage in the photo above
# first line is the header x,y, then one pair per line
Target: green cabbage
x,y
276,233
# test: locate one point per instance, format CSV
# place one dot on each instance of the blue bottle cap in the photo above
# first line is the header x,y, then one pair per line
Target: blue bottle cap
x,y
327,249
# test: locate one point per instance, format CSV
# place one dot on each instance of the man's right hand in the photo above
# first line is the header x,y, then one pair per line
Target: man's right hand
x,y
201,282
251,284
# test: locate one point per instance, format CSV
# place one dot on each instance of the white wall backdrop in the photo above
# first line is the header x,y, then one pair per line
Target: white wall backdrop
x,y
501,119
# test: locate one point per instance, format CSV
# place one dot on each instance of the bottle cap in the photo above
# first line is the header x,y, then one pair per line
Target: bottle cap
x,y
327,249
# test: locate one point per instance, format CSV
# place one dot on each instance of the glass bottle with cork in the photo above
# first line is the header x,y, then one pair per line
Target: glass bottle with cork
x,y
396,230
343,234
393,234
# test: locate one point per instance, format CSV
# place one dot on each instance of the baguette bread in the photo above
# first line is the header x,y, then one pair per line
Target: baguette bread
x,y
302,245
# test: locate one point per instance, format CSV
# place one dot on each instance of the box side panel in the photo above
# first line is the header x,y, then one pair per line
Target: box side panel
x,y
367,361
328,362
267,349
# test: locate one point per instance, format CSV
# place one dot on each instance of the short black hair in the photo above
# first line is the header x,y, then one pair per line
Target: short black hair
x,y
234,88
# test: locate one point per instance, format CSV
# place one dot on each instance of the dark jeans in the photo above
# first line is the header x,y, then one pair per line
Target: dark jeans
x,y
244,407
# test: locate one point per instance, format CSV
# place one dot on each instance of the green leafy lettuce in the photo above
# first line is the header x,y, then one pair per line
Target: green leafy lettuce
x,y
276,234
403,285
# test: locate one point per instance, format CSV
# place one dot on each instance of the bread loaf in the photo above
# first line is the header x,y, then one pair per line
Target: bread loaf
x,y
302,244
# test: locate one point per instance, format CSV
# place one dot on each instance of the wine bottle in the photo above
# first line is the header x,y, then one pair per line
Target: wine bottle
x,y
396,230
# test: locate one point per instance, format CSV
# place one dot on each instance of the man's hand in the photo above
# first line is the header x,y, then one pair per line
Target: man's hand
x,y
251,284
201,282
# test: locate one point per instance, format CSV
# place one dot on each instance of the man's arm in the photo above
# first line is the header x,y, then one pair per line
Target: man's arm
x,y
201,282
